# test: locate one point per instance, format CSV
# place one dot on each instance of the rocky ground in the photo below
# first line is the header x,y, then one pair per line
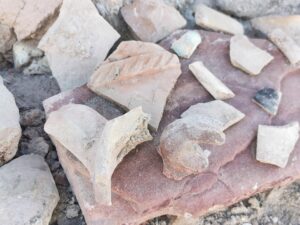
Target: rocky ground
x,y
279,206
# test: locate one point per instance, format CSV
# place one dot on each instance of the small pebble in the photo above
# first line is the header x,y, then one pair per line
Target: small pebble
x,y
32,117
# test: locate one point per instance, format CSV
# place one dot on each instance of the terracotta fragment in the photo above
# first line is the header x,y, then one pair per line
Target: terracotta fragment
x,y
100,145
286,44
212,19
140,191
212,84
224,113
248,57
138,74
74,47
186,44
10,129
152,20
268,99
180,142
118,138
275,143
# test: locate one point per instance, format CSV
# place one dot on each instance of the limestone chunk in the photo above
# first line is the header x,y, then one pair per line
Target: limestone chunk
x,y
180,142
210,82
186,44
27,17
152,20
275,143
100,145
10,130
77,42
28,192
24,52
138,74
246,56
212,19
286,44
268,99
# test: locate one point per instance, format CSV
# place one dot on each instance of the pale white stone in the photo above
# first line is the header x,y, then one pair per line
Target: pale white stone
x,y
286,44
209,18
98,144
210,82
24,52
247,56
187,44
28,194
77,42
276,143
10,130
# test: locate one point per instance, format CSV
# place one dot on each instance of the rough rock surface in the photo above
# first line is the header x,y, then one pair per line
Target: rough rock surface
x,y
138,74
152,20
10,130
255,8
28,192
74,47
141,191
7,39
27,17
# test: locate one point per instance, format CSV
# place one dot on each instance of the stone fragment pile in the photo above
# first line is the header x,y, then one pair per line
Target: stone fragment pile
x,y
144,129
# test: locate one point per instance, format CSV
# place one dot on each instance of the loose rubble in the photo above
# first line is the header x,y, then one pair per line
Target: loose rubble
x,y
180,142
152,20
268,99
212,19
28,192
212,84
186,44
275,143
286,44
246,56
10,130
138,74
74,47
100,145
